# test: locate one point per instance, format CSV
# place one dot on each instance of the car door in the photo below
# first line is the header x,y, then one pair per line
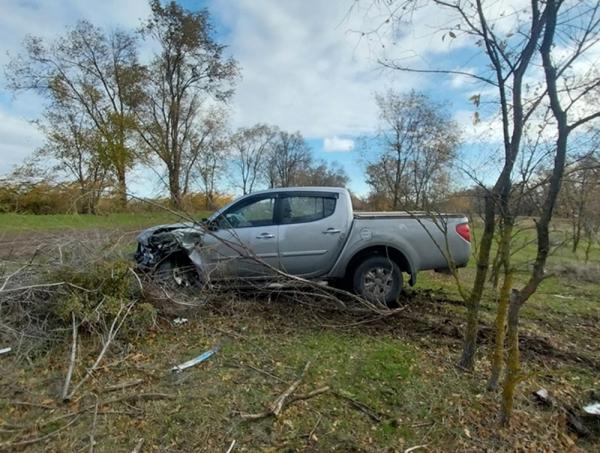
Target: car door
x,y
311,232
244,242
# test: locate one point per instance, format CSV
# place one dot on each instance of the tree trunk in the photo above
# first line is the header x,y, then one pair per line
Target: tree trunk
x,y
576,235
175,188
588,249
513,367
503,302
500,328
121,188
470,340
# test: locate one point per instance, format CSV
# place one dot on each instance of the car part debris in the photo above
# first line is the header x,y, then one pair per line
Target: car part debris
x,y
5,350
543,397
592,409
180,321
195,361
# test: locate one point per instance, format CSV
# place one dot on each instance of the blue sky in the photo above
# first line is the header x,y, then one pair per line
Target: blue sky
x,y
304,68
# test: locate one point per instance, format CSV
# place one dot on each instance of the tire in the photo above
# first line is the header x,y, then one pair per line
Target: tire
x,y
176,273
379,280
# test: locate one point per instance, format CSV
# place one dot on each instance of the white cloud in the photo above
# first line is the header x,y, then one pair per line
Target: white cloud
x,y
338,144
18,139
302,68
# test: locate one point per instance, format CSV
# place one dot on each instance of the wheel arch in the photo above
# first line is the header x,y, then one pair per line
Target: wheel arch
x,y
398,256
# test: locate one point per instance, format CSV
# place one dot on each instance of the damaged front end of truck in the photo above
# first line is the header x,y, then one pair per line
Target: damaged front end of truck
x,y
172,253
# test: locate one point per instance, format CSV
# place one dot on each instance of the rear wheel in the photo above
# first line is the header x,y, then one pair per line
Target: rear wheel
x,y
378,279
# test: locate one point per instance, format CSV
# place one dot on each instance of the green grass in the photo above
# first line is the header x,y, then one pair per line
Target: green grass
x,y
53,222
410,382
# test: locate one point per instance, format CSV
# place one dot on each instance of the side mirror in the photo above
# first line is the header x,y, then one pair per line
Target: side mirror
x,y
211,225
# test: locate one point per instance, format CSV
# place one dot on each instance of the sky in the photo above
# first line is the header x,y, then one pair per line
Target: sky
x,y
305,66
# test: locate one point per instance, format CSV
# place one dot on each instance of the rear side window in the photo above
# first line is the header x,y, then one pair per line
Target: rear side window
x,y
305,209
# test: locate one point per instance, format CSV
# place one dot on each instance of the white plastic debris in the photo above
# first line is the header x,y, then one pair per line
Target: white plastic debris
x,y
195,361
542,393
5,350
543,396
592,409
180,321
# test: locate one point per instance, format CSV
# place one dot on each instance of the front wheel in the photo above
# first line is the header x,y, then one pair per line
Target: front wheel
x,y
378,279
177,273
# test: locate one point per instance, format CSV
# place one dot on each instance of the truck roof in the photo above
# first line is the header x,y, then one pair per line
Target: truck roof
x,y
303,188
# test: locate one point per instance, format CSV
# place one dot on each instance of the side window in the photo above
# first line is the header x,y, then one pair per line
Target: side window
x,y
258,213
305,209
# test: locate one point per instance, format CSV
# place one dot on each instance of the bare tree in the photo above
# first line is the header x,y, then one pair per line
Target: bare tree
x,y
212,146
577,200
507,62
417,142
250,155
188,69
289,158
563,25
94,74
73,145
322,174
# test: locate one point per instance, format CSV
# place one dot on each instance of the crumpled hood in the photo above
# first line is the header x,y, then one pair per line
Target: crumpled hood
x,y
177,230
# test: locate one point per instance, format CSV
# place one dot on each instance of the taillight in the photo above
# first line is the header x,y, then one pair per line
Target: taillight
x,y
464,231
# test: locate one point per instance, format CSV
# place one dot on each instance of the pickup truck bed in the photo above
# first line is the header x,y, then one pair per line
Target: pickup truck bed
x,y
401,215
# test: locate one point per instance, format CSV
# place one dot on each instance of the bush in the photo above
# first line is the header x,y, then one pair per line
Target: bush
x,y
100,293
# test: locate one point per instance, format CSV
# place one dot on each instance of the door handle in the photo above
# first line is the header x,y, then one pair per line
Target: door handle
x,y
265,236
332,231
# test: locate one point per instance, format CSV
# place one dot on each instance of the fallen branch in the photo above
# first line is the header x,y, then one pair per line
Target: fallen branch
x,y
65,391
93,430
123,385
112,333
305,396
125,398
276,406
230,449
264,372
138,446
372,413
12,445
29,403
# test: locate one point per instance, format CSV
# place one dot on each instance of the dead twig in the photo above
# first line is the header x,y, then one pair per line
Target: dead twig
x,y
265,373
123,385
93,430
65,391
114,329
138,446
12,445
372,413
29,403
230,449
305,396
312,431
276,406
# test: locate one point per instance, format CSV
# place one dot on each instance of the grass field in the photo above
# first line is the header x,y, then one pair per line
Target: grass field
x,y
393,383
26,222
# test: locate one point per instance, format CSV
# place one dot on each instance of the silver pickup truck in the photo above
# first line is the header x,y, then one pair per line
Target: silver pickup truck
x,y
310,232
